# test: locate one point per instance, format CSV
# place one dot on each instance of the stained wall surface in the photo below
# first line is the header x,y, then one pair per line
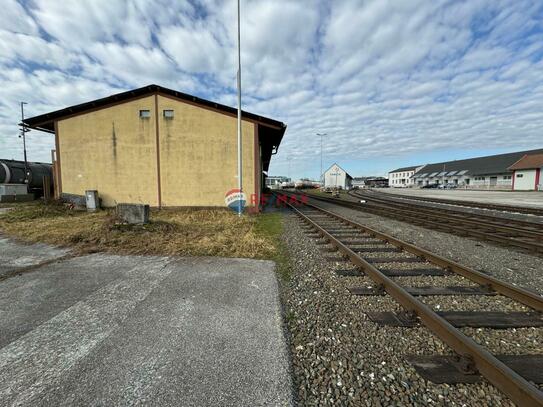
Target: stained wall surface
x,y
114,151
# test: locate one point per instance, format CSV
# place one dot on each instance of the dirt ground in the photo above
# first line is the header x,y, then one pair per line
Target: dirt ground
x,y
179,232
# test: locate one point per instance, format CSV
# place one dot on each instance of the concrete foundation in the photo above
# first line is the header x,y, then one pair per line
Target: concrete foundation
x,y
16,198
13,189
133,213
15,193
78,200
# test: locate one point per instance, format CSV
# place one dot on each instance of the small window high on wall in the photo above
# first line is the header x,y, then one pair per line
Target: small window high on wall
x,y
145,114
168,113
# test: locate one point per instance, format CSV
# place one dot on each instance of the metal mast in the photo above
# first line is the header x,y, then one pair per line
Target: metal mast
x,y
240,180
321,177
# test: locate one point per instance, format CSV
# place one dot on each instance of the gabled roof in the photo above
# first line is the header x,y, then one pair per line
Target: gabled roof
x,y
492,164
528,162
45,120
412,168
270,133
346,173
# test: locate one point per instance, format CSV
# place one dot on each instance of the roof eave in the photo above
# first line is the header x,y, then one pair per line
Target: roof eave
x,y
81,108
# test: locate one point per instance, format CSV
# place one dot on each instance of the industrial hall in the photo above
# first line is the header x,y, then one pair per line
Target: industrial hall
x,y
157,146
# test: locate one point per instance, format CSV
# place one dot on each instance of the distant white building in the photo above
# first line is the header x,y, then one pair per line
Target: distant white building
x,y
337,177
488,172
401,177
369,182
527,173
359,182
274,182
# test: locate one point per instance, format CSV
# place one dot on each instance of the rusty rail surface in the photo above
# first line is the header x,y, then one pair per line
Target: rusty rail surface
x,y
528,238
471,204
491,219
495,371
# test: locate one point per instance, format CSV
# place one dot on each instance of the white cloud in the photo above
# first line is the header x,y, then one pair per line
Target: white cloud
x,y
15,19
195,49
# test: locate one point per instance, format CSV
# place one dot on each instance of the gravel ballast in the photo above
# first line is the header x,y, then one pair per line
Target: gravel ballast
x,y
340,357
515,267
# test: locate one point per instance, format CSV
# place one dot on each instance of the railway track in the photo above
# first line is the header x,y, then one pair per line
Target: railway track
x,y
521,235
381,257
469,204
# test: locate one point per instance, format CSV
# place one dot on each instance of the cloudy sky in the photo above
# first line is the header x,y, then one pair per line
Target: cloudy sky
x,y
391,82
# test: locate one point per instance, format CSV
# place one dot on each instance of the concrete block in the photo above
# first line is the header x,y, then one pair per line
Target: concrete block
x,y
133,213
77,200
13,189
17,198
92,201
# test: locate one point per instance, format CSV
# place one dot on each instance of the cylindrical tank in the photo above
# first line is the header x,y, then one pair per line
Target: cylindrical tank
x,y
13,172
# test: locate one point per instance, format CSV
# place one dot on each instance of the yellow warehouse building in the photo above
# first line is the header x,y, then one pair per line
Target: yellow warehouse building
x,y
157,146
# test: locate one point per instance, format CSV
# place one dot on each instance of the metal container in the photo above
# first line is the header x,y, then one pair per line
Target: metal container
x,y
92,200
13,172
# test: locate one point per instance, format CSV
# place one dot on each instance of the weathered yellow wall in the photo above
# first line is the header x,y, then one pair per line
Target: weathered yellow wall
x,y
198,155
113,151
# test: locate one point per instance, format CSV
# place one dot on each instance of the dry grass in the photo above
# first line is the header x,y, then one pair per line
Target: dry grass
x,y
182,232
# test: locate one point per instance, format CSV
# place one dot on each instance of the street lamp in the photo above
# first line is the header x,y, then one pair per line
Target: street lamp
x,y
288,172
321,177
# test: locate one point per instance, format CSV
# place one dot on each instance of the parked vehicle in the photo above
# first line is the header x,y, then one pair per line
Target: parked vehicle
x,y
447,186
430,186
287,185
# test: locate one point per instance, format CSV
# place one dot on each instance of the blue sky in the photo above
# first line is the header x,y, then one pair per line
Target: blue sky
x,y
391,82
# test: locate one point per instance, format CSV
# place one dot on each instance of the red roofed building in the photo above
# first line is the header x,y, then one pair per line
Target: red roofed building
x,y
527,173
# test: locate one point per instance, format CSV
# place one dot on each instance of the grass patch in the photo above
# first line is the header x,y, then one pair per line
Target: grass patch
x,y
270,225
179,232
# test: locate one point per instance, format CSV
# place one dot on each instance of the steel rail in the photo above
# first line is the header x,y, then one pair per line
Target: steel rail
x,y
498,220
518,389
470,204
415,217
419,214
528,298
534,230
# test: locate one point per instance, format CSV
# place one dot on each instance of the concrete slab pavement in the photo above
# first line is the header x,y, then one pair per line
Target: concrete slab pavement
x,y
14,256
514,198
128,330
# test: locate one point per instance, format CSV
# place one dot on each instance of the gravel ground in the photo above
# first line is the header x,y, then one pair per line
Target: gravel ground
x,y
340,357
509,265
467,209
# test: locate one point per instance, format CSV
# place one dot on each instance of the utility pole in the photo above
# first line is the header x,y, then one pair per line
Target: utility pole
x,y
288,172
24,130
240,180
321,178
